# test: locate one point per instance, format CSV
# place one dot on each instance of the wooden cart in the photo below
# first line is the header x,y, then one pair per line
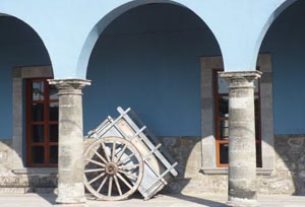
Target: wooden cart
x,y
125,158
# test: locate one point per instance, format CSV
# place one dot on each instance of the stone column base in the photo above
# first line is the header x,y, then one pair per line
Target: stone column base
x,y
71,205
72,201
239,202
70,194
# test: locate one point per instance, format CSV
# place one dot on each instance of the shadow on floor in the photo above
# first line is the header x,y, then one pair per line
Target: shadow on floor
x,y
49,197
197,200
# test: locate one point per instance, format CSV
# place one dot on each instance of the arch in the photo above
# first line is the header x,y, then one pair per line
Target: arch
x,y
34,30
102,24
272,17
12,77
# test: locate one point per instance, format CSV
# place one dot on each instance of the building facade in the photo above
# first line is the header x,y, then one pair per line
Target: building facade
x,y
197,72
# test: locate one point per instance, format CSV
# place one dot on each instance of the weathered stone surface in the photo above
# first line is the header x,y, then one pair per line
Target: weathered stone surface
x,y
7,157
187,152
287,177
242,151
70,142
290,163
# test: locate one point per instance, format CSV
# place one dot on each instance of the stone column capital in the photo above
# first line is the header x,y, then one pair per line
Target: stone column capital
x,y
69,86
246,75
241,79
69,83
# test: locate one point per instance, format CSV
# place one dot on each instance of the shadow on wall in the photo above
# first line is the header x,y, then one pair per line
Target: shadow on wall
x,y
290,163
187,152
288,176
16,179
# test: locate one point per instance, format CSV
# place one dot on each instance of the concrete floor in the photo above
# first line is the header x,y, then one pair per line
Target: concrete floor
x,y
206,200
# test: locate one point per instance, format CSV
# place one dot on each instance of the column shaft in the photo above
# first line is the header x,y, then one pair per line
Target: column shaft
x,y
70,144
242,144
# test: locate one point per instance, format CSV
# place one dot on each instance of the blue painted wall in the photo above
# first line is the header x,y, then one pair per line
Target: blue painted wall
x,y
149,59
19,46
70,28
286,42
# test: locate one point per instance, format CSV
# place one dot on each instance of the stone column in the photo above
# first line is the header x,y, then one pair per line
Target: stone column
x,y
242,150
70,143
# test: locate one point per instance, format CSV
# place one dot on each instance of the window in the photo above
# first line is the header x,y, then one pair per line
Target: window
x,y
221,94
41,123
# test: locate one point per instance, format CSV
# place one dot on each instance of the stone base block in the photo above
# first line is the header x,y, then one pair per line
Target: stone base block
x,y
74,200
70,193
70,201
239,202
15,190
71,205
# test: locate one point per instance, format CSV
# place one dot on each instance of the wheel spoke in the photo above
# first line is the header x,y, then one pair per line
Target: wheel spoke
x,y
94,170
121,154
124,181
118,185
114,168
102,184
100,156
104,148
113,150
96,178
95,162
110,186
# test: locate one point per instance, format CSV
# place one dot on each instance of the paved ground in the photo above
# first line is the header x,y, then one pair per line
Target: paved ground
x,y
47,200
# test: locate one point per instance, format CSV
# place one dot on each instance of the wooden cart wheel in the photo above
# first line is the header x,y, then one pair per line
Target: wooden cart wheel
x,y
113,169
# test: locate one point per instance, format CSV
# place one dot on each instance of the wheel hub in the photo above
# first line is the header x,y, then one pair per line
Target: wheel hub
x,y
111,168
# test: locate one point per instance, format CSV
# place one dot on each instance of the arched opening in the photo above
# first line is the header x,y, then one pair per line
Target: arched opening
x,y
101,25
25,65
149,59
286,44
